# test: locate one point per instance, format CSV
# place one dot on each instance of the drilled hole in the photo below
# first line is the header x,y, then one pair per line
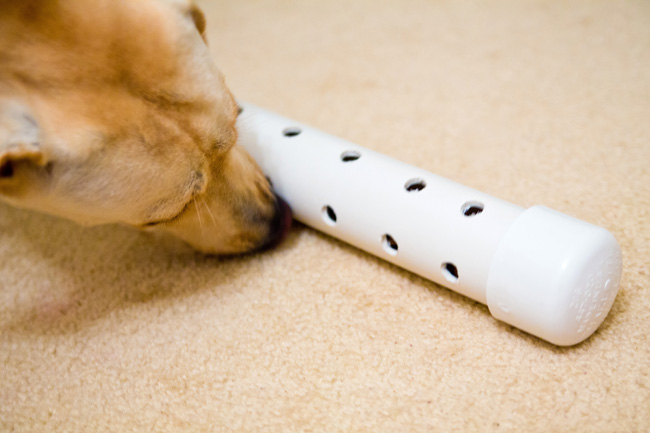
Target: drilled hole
x,y
329,216
291,131
390,246
240,109
472,208
450,272
415,185
350,155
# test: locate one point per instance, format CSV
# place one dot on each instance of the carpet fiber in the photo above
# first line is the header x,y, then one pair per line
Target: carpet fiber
x,y
537,102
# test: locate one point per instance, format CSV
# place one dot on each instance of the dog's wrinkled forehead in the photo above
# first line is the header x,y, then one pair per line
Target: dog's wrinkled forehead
x,y
138,67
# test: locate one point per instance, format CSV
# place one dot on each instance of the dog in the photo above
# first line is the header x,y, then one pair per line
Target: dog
x,y
113,111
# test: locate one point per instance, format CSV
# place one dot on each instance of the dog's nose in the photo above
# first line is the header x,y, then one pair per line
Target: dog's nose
x,y
280,225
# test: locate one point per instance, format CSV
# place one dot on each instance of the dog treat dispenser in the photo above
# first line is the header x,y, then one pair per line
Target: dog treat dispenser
x,y
544,272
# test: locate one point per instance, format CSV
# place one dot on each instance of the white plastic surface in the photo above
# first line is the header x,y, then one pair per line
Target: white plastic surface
x,y
554,276
543,272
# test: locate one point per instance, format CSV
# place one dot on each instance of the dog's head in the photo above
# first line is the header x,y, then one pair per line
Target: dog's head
x,y
114,111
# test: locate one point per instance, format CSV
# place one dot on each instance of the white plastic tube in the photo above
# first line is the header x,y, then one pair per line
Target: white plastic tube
x,y
544,272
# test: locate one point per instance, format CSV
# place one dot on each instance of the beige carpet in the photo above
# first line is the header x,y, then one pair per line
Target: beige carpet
x,y
536,102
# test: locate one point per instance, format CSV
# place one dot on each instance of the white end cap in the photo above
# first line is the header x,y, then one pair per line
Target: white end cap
x,y
554,276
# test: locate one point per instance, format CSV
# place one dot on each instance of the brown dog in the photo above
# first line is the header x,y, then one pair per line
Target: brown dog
x,y
113,111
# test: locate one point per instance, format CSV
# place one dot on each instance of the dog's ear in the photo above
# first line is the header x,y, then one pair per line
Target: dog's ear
x,y
19,139
190,10
199,20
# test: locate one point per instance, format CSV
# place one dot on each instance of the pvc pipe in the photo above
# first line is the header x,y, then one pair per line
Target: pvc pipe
x,y
541,271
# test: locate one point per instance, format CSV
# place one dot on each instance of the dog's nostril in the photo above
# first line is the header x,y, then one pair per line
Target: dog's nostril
x,y
7,170
280,225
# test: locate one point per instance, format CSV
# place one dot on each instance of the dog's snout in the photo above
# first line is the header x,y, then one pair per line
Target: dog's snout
x,y
280,224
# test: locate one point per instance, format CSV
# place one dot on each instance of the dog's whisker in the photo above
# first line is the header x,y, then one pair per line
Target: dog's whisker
x,y
214,222
198,214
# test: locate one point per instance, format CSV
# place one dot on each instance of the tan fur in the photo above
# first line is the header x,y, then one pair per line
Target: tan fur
x,y
113,111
